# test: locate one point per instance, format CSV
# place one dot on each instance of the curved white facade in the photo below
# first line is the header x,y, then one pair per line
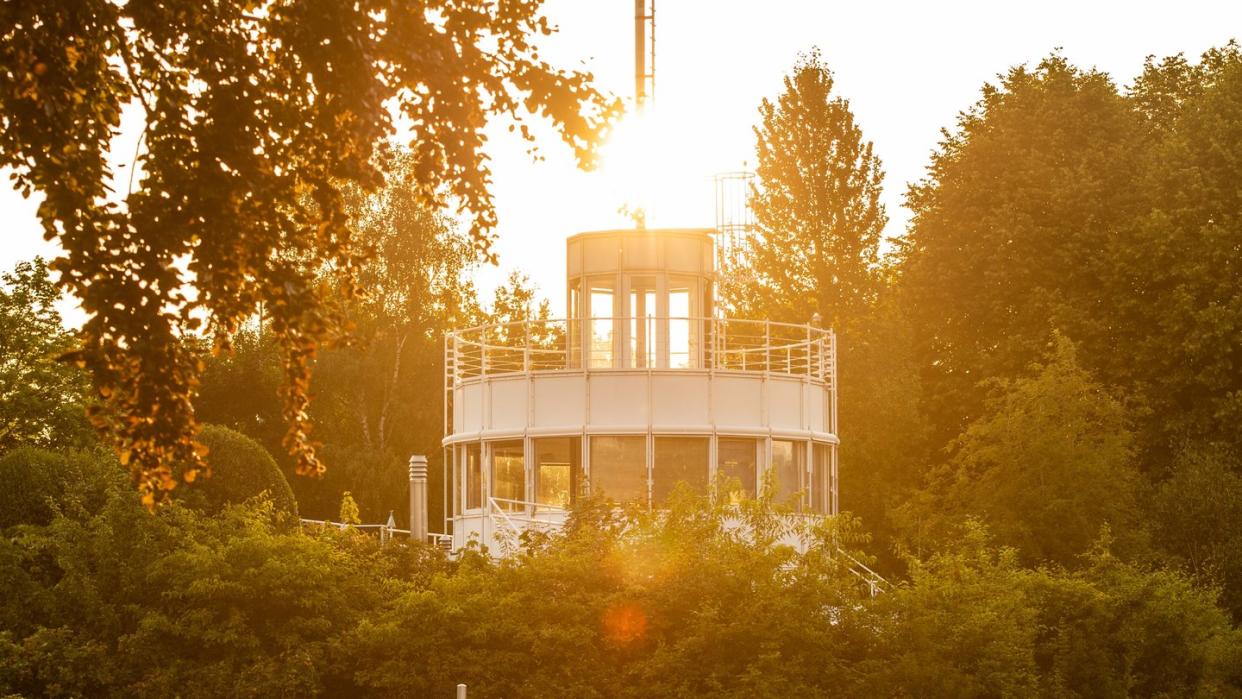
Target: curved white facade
x,y
638,390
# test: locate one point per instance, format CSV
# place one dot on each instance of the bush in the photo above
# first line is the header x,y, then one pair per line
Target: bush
x,y
36,483
240,469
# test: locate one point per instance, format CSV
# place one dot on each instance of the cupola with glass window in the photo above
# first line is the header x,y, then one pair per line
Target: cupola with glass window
x,y
641,297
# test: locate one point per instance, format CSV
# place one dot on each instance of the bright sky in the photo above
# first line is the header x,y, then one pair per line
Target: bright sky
x,y
907,68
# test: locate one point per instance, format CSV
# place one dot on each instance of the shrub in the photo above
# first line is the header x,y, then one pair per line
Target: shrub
x,y
36,483
240,469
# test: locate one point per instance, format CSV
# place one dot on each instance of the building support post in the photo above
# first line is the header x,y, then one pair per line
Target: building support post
x,y
418,497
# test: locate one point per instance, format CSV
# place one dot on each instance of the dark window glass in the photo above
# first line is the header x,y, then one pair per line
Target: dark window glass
x,y
738,459
819,479
473,464
679,460
787,460
619,468
558,462
508,475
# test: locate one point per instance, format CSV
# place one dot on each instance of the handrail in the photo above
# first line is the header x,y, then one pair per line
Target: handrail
x,y
505,519
875,582
384,530
715,343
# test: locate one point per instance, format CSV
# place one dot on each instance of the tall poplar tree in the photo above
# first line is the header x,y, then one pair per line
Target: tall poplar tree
x,y
817,206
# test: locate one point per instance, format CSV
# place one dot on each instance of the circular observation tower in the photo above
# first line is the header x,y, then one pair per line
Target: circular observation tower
x,y
642,386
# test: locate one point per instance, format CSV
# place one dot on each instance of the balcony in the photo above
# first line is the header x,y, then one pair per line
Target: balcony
x,y
650,343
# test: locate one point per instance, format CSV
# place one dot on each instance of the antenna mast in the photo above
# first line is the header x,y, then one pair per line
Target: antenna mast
x,y
644,52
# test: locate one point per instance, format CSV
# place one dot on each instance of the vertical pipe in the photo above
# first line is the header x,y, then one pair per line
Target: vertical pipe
x,y
418,497
640,53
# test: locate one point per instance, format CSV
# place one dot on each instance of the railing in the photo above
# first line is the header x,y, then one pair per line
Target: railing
x,y
657,343
385,531
506,515
875,582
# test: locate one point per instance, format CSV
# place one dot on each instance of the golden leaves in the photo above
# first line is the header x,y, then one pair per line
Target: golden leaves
x,y
262,121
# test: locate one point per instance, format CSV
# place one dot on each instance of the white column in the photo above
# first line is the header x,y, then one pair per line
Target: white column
x,y
418,497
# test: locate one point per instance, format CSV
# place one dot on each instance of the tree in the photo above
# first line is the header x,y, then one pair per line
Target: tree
x,y
42,401
973,622
240,469
38,484
378,390
817,207
1178,295
257,117
1199,511
1014,232
1046,468
885,455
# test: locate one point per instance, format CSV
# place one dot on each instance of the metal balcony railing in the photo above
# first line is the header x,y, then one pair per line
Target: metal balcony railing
x,y
655,343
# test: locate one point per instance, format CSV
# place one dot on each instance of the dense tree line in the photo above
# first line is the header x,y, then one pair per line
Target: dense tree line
x,y
106,599
1052,346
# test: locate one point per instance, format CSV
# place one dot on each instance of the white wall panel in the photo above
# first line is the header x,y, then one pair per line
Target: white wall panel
x,y
601,255
785,403
508,404
459,411
815,408
472,407
618,399
679,400
737,400
641,252
560,401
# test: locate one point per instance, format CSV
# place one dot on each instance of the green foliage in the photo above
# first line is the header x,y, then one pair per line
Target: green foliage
x,y
817,206
240,469
348,514
1046,467
378,393
884,451
231,604
42,400
258,119
37,484
698,600
972,622
1178,299
240,390
1012,230
1199,509
1059,204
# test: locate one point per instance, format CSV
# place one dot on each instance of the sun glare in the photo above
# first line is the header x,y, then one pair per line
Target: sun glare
x,y
660,167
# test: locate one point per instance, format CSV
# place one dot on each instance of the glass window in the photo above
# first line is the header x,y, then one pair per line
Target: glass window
x,y
558,462
786,470
738,459
472,463
819,479
619,468
642,313
575,339
680,353
508,475
458,459
679,460
601,324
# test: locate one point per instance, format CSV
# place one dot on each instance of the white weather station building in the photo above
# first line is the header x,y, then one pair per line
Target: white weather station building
x,y
643,385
